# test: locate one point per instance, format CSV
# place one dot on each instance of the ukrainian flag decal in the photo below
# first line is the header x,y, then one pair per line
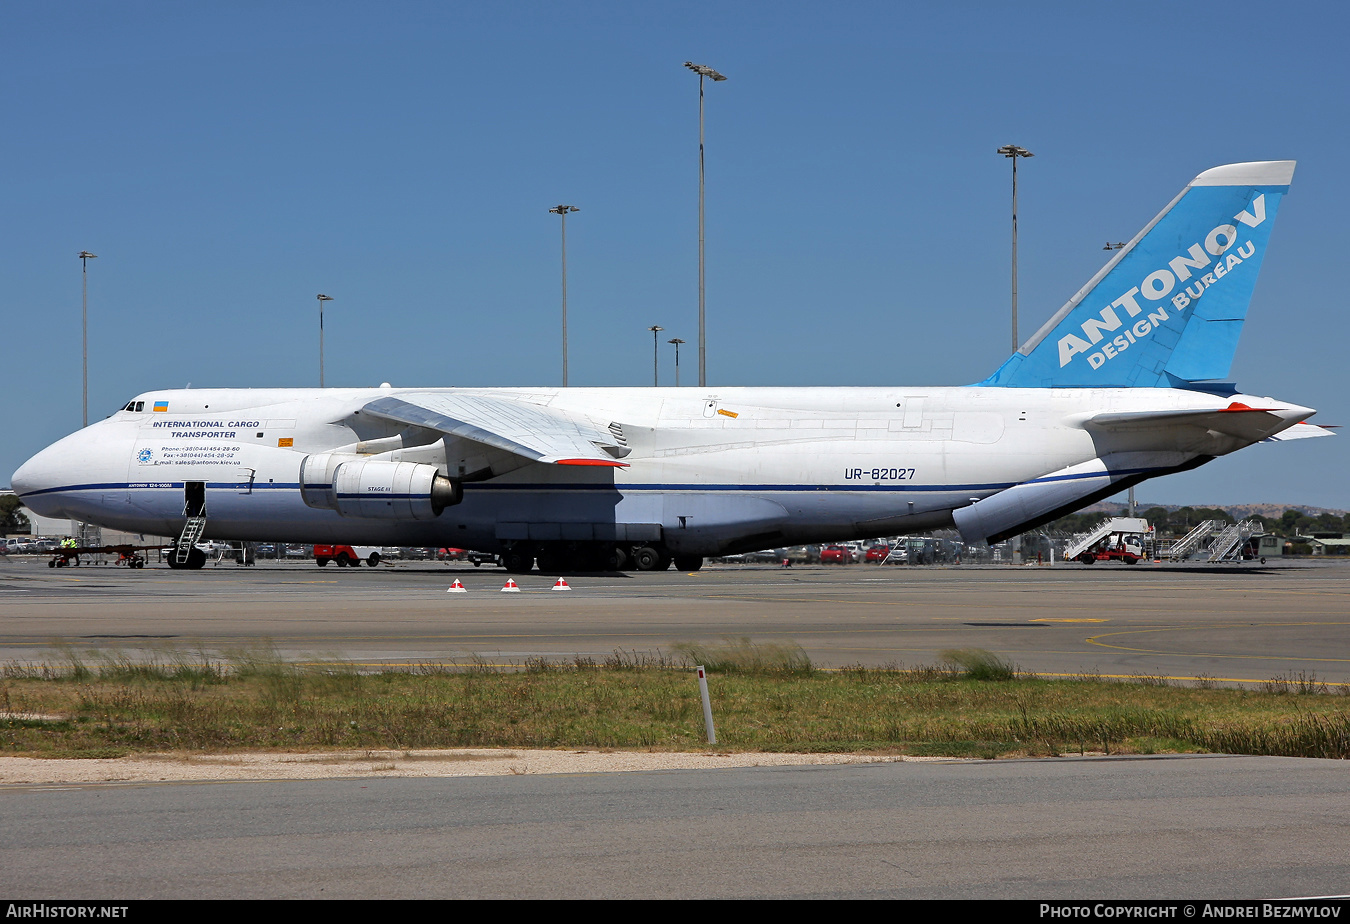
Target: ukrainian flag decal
x,y
161,405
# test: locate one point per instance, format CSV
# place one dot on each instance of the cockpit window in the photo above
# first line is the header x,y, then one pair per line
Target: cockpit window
x,y
134,406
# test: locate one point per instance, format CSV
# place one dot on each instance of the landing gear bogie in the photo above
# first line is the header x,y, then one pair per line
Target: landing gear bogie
x,y
195,560
519,559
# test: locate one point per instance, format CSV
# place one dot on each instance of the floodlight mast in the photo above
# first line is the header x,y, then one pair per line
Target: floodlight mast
x,y
85,256
655,329
676,341
322,298
1013,152
562,210
703,71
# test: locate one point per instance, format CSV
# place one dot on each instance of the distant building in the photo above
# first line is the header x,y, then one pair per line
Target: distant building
x,y
1328,544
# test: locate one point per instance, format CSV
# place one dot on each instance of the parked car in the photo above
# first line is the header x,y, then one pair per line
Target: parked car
x,y
877,554
836,555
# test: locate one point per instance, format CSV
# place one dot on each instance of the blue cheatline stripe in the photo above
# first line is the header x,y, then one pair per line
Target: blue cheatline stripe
x,y
162,486
610,488
1112,473
759,488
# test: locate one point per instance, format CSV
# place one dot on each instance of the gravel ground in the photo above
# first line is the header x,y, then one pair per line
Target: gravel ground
x,y
441,763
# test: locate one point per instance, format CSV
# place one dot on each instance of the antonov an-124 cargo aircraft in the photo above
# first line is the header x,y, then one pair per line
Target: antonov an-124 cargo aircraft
x,y
1117,387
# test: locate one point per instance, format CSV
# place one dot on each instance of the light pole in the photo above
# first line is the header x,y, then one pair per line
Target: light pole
x,y
702,71
1120,245
85,257
562,210
322,298
677,341
1013,152
655,329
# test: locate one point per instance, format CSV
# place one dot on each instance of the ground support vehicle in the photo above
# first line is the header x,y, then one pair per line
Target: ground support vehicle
x,y
128,555
1114,539
1126,547
346,555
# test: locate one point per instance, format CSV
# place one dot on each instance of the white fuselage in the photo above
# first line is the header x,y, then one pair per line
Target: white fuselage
x,y
708,470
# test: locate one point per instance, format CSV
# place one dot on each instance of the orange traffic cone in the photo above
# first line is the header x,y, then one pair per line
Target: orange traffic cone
x,y
456,588
561,585
510,587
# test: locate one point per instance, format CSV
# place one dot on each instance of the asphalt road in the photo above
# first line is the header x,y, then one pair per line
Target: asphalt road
x,y
1229,623
1091,829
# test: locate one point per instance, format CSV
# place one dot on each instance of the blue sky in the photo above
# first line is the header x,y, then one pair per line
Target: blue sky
x,y
229,161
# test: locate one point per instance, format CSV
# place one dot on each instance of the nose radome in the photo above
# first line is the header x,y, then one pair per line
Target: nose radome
x,y
36,480
26,479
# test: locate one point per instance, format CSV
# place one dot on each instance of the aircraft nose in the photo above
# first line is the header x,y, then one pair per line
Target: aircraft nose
x,y
28,478
38,481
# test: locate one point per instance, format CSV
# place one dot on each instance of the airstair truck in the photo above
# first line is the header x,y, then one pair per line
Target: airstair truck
x,y
1116,539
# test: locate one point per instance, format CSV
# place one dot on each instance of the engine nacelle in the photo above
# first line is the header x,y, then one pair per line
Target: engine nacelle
x,y
377,489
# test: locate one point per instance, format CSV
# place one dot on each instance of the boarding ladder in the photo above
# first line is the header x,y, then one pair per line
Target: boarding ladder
x,y
1231,540
1183,548
192,531
1085,541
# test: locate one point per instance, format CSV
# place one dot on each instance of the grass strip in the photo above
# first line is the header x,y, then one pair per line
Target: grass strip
x,y
764,698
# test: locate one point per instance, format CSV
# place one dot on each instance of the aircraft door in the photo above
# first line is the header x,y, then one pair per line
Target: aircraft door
x,y
194,498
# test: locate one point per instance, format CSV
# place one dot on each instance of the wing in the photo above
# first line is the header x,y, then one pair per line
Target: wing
x,y
531,431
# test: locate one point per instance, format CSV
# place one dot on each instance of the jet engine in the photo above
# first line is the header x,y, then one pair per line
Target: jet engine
x,y
376,489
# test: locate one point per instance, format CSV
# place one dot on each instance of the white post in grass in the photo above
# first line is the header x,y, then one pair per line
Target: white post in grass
x,y
707,704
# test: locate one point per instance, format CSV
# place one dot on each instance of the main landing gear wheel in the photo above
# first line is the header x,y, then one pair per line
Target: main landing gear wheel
x,y
613,559
195,560
518,561
646,558
688,562
553,560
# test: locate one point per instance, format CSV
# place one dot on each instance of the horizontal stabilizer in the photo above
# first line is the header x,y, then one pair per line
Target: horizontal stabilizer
x,y
1239,420
1302,431
532,431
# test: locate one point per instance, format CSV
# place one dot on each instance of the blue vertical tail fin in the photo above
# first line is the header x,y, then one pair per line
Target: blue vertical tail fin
x,y
1168,308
